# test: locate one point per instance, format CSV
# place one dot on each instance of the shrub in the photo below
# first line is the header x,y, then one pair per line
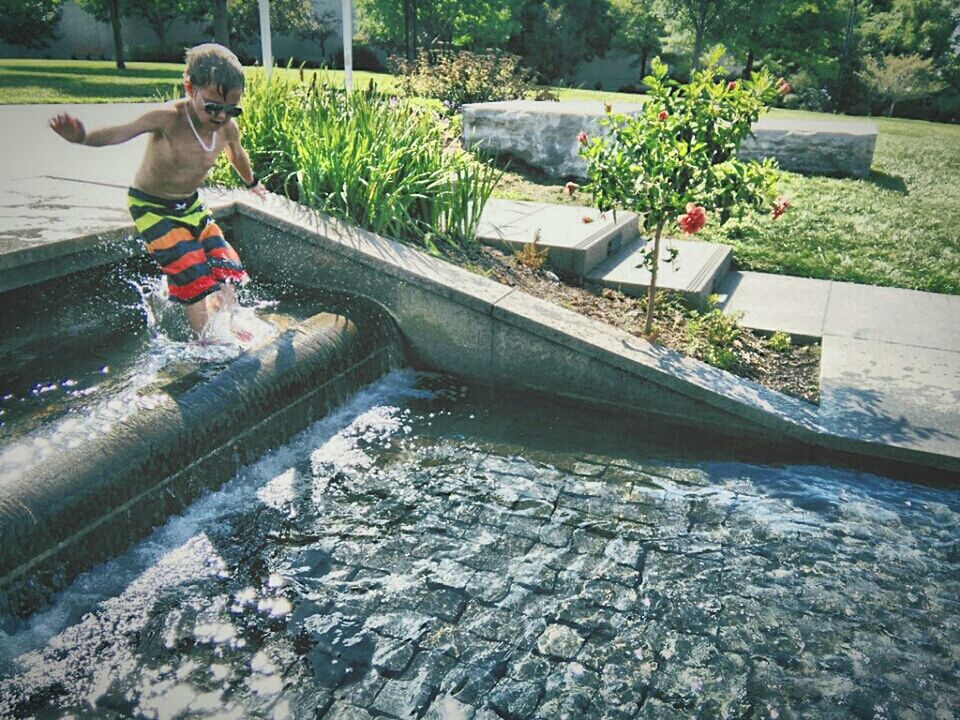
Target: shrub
x,y
712,336
780,342
364,58
894,79
378,162
676,159
458,77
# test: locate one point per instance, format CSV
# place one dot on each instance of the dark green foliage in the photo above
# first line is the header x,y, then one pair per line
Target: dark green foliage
x,y
29,23
558,35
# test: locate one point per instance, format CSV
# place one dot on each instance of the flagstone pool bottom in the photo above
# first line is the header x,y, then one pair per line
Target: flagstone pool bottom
x,y
452,554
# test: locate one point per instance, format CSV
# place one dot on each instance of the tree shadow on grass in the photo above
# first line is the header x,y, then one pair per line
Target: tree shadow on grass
x,y
893,183
56,71
148,90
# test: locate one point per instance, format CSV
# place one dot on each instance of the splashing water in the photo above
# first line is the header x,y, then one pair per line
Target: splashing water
x,y
165,349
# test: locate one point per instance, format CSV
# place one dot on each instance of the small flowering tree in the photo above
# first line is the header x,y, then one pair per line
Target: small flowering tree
x,y
676,161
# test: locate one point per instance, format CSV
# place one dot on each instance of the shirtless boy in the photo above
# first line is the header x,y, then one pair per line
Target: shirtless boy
x,y
186,137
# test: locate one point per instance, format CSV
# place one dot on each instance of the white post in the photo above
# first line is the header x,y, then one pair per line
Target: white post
x,y
266,46
347,13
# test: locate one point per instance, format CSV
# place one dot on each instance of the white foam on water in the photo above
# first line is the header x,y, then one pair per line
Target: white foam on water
x,y
85,635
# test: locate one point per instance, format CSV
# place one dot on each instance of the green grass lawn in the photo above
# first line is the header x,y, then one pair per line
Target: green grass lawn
x,y
899,227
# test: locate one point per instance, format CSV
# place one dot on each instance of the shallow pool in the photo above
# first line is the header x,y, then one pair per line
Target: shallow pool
x,y
435,550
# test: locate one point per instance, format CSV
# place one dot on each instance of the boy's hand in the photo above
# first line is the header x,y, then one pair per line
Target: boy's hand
x,y
259,190
69,128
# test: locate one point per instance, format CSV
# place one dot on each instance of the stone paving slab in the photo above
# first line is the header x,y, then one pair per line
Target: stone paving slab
x,y
697,267
577,239
777,302
892,394
907,317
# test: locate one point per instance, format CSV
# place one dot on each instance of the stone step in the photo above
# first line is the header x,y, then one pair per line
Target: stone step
x,y
698,269
577,239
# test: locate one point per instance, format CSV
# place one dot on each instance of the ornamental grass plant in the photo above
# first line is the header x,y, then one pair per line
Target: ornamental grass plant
x,y
379,162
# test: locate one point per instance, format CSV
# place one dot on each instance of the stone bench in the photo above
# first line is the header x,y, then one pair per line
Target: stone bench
x,y
544,135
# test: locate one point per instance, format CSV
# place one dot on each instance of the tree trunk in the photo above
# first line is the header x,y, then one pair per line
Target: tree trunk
x,y
697,47
654,266
893,104
748,68
410,29
221,22
644,54
117,36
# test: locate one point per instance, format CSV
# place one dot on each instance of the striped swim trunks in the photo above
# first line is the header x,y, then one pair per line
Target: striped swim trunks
x,y
187,243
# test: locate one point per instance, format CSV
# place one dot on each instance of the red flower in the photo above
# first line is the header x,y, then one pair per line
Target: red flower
x,y
570,188
693,220
732,85
663,115
783,87
582,138
780,206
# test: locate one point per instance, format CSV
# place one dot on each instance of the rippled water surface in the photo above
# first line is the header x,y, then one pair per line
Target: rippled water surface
x,y
432,550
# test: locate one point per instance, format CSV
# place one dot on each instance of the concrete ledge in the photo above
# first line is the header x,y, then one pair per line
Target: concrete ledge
x,y
544,135
75,509
92,228
816,147
459,323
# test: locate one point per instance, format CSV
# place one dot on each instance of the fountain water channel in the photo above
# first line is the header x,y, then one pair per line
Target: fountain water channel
x,y
428,547
434,549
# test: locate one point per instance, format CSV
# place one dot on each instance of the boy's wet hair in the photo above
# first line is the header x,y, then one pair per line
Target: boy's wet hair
x,y
212,64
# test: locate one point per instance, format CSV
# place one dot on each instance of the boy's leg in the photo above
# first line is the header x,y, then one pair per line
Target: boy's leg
x,y
198,315
171,230
228,270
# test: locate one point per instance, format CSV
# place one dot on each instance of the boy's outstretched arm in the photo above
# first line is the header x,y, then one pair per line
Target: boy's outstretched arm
x,y
241,161
71,129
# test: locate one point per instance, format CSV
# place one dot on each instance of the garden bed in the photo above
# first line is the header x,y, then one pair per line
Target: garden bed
x,y
793,370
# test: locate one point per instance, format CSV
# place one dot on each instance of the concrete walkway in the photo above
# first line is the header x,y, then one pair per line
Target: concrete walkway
x,y
891,358
890,362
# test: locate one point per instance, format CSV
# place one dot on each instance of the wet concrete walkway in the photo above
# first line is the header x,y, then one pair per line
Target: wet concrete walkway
x,y
891,358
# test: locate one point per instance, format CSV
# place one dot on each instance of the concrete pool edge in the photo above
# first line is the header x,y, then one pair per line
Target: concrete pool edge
x,y
73,510
495,334
464,324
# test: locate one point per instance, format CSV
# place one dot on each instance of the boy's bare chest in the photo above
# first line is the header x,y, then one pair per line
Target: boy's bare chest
x,y
179,152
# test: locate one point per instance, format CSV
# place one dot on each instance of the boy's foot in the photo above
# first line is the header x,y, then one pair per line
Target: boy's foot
x,y
242,335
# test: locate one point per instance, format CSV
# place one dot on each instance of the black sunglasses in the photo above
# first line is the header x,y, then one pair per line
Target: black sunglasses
x,y
214,108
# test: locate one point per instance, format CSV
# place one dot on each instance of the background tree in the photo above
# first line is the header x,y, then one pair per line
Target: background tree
x,y
30,23
287,17
897,78
638,29
110,11
698,15
557,35
318,28
160,14
407,25
221,21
